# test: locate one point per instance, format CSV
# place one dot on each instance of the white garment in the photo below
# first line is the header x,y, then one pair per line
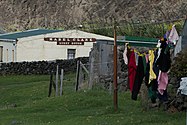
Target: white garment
x,y
183,86
178,46
158,54
173,36
136,58
125,55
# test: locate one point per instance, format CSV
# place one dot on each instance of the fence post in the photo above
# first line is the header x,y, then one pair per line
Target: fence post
x,y
61,81
57,81
50,84
91,73
78,72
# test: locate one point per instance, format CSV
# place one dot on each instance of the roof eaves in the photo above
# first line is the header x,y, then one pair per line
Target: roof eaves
x,y
27,33
8,40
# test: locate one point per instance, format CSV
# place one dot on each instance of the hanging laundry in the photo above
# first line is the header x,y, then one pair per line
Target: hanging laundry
x,y
147,75
167,34
152,87
163,97
183,86
144,63
178,46
131,69
158,54
155,67
136,58
152,90
162,82
152,75
138,78
173,36
125,54
164,60
147,58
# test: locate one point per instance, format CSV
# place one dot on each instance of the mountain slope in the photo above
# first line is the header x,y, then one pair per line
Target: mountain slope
x,y
26,14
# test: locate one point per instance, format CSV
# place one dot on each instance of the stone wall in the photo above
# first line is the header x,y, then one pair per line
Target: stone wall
x,y
40,67
101,66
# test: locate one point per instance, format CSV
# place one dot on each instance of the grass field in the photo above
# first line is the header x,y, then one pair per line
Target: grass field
x,y
24,101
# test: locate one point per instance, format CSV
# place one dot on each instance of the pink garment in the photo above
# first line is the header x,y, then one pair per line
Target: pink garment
x,y
162,82
147,58
173,36
125,55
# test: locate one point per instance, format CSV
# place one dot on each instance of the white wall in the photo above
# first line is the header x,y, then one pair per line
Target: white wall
x,y
9,52
36,49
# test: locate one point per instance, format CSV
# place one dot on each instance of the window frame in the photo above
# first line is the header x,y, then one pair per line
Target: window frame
x,y
71,53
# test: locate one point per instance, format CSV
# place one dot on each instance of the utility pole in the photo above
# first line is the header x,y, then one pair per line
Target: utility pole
x,y
115,72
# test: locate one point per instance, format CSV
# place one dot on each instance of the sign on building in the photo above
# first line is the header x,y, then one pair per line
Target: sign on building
x,y
69,41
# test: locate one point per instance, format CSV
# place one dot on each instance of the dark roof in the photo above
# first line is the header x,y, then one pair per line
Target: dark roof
x,y
28,33
138,41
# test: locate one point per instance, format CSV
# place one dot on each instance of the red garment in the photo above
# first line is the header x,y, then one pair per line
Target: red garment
x,y
131,69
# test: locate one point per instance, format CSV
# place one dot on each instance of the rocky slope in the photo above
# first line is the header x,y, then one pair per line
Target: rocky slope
x,y
27,14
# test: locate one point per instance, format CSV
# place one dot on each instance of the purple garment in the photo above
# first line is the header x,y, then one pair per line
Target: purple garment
x,y
162,82
167,34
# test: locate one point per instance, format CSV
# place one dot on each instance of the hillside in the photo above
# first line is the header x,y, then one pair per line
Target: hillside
x,y
27,14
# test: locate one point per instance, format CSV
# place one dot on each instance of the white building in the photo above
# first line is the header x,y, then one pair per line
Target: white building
x,y
42,44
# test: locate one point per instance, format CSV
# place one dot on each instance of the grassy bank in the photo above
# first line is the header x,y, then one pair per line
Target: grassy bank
x,y
24,101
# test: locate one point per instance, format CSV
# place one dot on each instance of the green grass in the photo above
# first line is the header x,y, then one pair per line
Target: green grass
x,y
86,107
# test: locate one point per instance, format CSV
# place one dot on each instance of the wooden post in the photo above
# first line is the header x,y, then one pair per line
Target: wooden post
x,y
78,73
80,76
91,73
115,72
82,65
61,81
56,81
50,84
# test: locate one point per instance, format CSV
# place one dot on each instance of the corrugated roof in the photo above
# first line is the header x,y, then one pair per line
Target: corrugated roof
x,y
138,41
145,39
28,33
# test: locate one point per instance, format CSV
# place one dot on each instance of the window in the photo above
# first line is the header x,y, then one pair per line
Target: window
x,y
71,53
1,54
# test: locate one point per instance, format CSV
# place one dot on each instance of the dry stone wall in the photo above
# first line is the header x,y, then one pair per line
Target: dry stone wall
x,y
40,67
